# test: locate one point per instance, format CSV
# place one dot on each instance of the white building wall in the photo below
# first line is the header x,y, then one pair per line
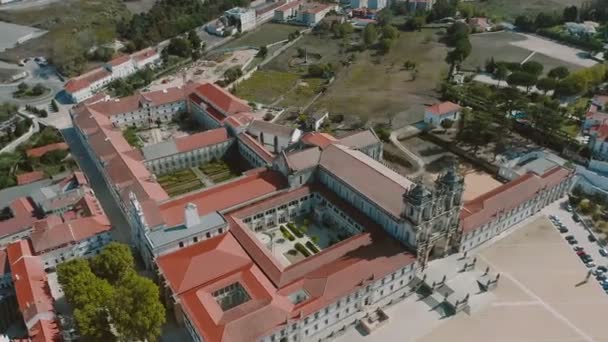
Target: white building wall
x,y
436,120
188,159
81,249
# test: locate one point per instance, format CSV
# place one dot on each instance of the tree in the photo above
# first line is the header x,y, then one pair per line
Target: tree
x,y
342,30
525,24
571,85
466,10
385,45
546,84
415,23
586,206
390,32
90,310
458,54
456,32
501,73
232,74
136,310
263,51
194,39
113,263
533,68
320,70
443,9
544,20
447,124
370,34
523,79
54,106
180,47
23,87
384,17
38,89
570,13
560,72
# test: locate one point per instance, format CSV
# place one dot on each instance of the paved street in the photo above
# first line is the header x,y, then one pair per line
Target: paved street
x,y
121,231
46,76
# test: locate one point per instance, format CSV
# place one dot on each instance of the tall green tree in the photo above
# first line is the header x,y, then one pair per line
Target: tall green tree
x,y
570,13
559,72
522,79
533,68
114,262
370,34
136,310
195,40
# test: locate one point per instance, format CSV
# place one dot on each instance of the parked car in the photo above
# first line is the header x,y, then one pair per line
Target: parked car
x,y
602,268
591,238
605,286
569,208
578,248
600,276
572,241
570,237
603,252
581,253
563,230
590,264
597,273
575,218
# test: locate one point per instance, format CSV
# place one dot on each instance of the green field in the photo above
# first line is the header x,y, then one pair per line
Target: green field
x,y
218,171
264,35
266,86
509,9
378,86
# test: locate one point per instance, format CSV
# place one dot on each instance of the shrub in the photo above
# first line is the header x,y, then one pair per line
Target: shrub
x,y
304,228
314,239
292,252
312,247
295,230
300,247
286,234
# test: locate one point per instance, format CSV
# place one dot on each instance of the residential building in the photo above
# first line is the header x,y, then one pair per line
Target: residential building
x,y
84,86
273,137
30,177
593,179
598,141
33,294
515,165
597,114
480,24
317,119
434,115
188,151
420,5
371,4
584,29
303,13
245,18
499,209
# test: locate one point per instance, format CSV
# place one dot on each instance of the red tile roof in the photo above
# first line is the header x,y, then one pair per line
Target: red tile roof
x,y
601,132
221,99
487,207
223,196
30,177
30,282
55,234
239,257
255,145
443,108
144,54
321,140
23,217
42,150
202,139
46,330
120,60
85,80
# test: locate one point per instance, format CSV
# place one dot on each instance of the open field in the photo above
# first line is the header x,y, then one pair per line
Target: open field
x,y
515,47
266,86
374,87
180,182
68,22
509,9
139,6
538,298
318,49
264,35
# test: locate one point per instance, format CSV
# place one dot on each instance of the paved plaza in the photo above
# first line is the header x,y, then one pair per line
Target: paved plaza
x,y
541,296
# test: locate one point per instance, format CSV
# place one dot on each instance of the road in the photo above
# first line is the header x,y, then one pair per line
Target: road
x,y
578,231
47,76
406,132
121,231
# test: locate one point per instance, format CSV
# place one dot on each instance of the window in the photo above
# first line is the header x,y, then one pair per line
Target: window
x,y
208,235
181,244
195,239
220,230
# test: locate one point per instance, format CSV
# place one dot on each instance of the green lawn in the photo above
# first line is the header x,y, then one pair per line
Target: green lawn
x,y
266,86
264,35
179,182
218,171
302,94
571,128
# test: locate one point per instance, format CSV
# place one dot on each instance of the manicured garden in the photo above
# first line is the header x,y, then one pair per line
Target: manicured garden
x,y
218,171
180,182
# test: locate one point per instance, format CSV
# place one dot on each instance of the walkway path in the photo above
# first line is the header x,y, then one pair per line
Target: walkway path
x,y
404,133
202,177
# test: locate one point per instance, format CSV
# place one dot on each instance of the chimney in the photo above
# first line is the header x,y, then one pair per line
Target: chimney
x,y
191,215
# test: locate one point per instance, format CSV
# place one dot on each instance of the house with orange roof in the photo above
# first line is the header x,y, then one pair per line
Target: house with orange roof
x,y
42,150
434,115
84,86
30,177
